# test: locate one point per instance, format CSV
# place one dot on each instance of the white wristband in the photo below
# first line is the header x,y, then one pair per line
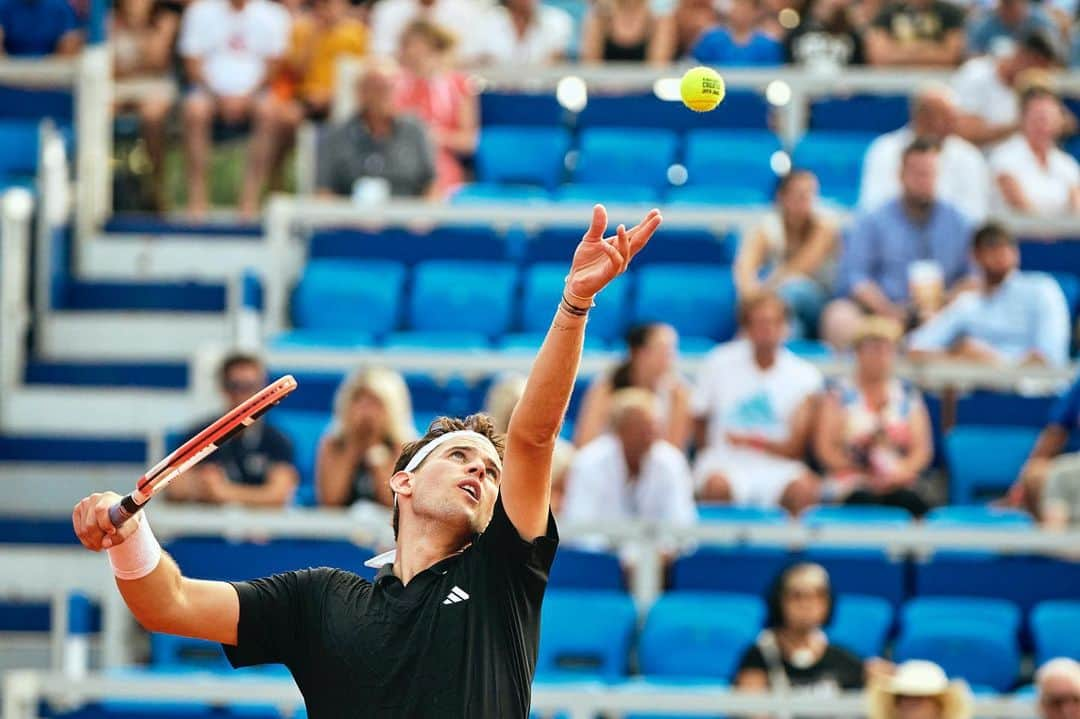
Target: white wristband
x,y
138,555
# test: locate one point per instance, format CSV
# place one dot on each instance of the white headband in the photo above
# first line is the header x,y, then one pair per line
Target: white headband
x,y
434,444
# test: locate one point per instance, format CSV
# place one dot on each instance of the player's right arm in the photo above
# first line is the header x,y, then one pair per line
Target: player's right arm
x,y
163,600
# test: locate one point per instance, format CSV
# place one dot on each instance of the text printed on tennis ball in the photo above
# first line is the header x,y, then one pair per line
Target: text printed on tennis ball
x,y
702,89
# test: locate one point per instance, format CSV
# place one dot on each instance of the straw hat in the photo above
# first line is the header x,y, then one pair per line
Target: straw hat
x,y
918,678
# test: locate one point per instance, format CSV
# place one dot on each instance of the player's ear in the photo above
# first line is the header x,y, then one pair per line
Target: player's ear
x,y
402,482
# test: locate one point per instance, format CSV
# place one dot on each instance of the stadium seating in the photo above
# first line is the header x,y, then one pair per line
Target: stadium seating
x,y
729,160
984,407
471,297
974,472
836,159
859,113
737,569
331,291
585,635
697,301
542,282
531,156
576,568
861,624
1054,628
637,157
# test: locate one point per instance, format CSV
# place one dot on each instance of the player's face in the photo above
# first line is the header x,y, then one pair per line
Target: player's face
x,y
1060,699
917,708
243,381
458,484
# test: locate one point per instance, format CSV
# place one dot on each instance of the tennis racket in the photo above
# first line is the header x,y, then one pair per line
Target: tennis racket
x,y
200,447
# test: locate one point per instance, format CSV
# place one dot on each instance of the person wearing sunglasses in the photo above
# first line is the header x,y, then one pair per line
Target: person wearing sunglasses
x,y
1058,683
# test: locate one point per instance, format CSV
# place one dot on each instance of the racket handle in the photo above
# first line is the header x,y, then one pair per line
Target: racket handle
x,y
123,510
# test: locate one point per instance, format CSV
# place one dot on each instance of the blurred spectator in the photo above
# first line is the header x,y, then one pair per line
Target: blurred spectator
x,y
873,434
630,473
389,18
444,100
919,690
32,28
372,419
792,253
256,467
525,32
142,33
654,352
678,31
229,49
1058,686
987,88
1046,461
740,41
793,652
963,177
623,30
1012,317
997,30
378,143
826,36
917,32
1033,175
753,407
901,259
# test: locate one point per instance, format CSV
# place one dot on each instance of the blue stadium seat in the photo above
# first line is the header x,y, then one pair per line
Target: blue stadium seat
x,y
877,516
698,636
169,652
585,635
731,513
544,281
437,341
690,245
979,515
973,471
316,390
697,301
18,161
1055,627
630,156
861,571
860,113
553,244
975,639
744,109
1037,254
737,569
530,342
483,192
984,407
731,160
861,624
322,340
605,193
304,430
402,245
1021,579
359,297
718,195
522,155
521,108
34,104
836,158
458,296
1070,287
220,559
576,568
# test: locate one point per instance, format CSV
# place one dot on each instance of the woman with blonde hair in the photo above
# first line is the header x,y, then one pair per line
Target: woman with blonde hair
x,y
372,420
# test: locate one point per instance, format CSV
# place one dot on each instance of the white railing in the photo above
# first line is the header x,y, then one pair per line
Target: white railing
x,y
16,209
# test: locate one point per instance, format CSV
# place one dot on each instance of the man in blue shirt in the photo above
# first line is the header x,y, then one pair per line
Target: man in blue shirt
x,y
33,28
997,30
1014,317
740,42
884,245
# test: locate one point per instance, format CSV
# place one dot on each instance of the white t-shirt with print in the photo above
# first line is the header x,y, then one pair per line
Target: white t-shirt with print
x,y
1047,187
550,33
235,46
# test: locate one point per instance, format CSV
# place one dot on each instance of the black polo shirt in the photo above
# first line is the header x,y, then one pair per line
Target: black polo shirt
x,y
459,641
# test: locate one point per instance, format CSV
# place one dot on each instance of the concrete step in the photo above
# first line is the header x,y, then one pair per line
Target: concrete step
x,y
92,335
94,412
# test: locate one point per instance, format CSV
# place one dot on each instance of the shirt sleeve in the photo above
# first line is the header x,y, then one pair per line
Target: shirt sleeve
x,y
579,504
502,541
945,328
877,180
707,48
1066,410
753,659
1052,331
279,616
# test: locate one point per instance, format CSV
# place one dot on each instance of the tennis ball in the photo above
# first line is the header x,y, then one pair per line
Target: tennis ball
x,y
701,89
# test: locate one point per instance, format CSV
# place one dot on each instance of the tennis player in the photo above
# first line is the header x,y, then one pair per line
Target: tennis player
x,y
450,626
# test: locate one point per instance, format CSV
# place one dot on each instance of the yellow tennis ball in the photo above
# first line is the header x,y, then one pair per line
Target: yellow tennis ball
x,y
701,89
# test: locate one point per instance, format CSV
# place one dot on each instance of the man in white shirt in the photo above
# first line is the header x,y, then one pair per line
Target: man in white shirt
x,y
752,408
229,49
526,32
964,180
630,472
461,17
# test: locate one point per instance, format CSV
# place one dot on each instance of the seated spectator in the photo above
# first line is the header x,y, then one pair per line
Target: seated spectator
x,y
34,28
378,142
620,31
654,352
925,33
740,41
678,31
873,435
826,36
142,35
1033,175
462,18
372,420
919,690
793,652
229,48
987,89
963,177
1013,317
792,253
1046,461
253,469
525,32
1058,686
444,100
997,30
753,409
630,473
901,259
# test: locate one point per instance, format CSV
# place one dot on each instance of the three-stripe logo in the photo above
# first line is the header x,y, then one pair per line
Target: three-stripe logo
x,y
457,594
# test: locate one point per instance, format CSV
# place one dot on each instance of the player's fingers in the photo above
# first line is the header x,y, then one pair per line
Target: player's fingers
x,y
598,225
644,234
622,243
126,530
101,518
617,260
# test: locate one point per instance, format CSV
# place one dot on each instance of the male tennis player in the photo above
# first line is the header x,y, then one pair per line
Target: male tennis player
x,y
450,626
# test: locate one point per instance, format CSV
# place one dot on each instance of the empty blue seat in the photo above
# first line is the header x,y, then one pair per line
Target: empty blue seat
x,y
731,159
437,341
860,113
223,560
553,244
304,430
454,242
630,156
719,196
741,109
605,193
322,339
697,301
583,569
737,569
481,192
543,285
984,407
732,513
836,159
19,160
529,342
1023,580
826,515
1055,627
1038,254
522,155
1070,287
698,635
521,109
974,471
453,296
585,635
861,624
979,515
349,295
689,245
34,104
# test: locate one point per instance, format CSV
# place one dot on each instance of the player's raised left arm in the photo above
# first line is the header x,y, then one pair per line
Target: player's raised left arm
x,y
534,427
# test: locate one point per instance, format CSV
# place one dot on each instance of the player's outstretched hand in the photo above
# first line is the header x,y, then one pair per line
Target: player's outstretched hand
x,y
598,259
92,524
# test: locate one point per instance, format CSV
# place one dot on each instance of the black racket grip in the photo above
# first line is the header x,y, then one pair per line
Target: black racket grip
x,y
123,510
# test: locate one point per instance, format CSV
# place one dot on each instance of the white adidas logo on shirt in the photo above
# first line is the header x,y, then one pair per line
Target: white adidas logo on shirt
x,y
457,594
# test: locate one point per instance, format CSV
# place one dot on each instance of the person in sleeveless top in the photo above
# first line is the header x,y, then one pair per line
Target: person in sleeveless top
x,y
622,31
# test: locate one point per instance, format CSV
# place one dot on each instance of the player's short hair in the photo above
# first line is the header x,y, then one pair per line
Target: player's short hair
x,y
992,234
236,359
479,423
752,303
921,145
